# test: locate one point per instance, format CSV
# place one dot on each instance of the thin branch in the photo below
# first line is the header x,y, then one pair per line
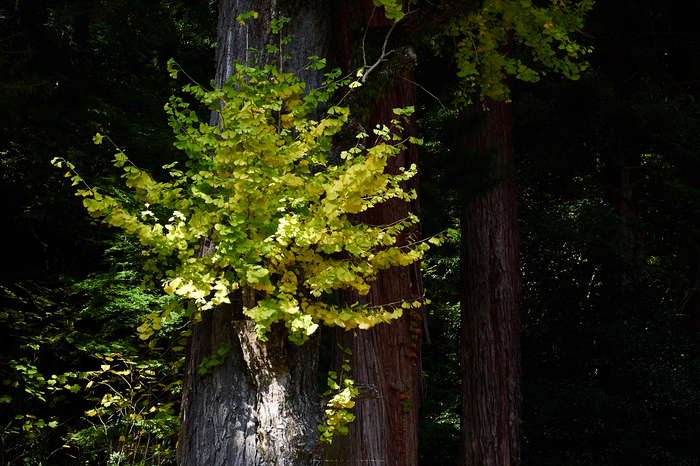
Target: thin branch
x,y
426,90
383,56
364,57
411,245
394,304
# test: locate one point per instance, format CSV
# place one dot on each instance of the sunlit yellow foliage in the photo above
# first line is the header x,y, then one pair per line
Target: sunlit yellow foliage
x,y
258,185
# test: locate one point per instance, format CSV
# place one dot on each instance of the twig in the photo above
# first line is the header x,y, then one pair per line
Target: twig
x,y
382,57
427,91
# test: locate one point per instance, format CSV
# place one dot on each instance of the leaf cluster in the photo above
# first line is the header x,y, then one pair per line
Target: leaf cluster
x,y
134,395
481,38
344,391
259,188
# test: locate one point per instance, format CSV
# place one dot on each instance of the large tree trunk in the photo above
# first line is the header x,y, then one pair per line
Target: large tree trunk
x,y
386,357
257,409
491,285
261,406
309,27
622,173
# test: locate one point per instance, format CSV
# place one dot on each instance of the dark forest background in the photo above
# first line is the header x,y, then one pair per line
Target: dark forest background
x,y
608,174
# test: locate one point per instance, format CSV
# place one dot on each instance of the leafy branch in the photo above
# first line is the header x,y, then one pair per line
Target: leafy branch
x,y
258,185
344,392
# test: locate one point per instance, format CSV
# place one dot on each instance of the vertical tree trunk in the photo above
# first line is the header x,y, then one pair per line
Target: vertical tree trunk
x,y
309,27
261,406
490,275
629,201
387,357
258,408
225,398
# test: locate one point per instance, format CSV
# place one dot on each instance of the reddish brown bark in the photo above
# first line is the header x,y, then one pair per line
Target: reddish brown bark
x,y
387,356
490,276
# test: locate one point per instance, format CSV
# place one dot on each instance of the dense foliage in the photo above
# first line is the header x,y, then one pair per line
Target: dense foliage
x,y
259,186
71,295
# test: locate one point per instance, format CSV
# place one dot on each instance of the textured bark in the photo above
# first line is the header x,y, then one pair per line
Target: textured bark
x,y
309,28
387,357
287,399
490,275
272,382
262,406
224,398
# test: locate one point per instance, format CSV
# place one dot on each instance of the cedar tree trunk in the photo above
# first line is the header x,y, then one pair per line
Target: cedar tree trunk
x,y
385,358
491,285
622,174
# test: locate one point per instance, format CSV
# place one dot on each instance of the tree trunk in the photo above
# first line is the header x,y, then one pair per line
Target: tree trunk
x,y
490,276
386,357
309,27
261,406
233,415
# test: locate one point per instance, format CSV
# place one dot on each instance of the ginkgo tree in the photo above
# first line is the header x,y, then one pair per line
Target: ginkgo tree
x,y
259,186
